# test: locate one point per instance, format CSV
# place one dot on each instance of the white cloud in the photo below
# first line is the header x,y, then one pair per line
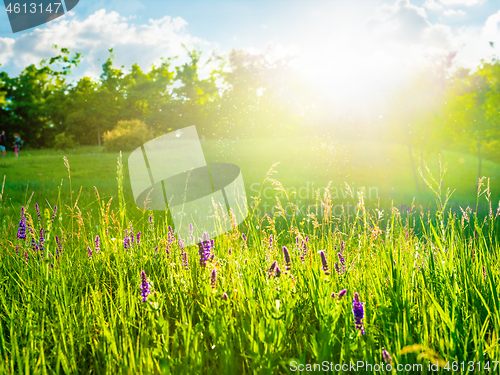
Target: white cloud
x,y
432,4
143,44
462,2
453,12
491,26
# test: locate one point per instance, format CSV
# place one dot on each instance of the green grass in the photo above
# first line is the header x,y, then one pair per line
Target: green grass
x,y
428,280
306,164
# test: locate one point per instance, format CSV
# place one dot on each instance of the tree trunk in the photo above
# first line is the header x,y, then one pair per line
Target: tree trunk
x,y
98,135
415,175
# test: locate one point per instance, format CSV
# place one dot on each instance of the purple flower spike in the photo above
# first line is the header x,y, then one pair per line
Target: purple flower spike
x,y
144,286
213,277
204,249
271,269
278,271
53,214
139,238
358,312
286,254
244,237
21,232
185,260
224,296
191,229
342,246
89,252
270,240
38,212
324,262
484,273
97,244
41,242
342,293
333,295
386,356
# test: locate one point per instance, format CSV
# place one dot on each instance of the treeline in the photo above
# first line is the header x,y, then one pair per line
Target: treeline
x,y
242,95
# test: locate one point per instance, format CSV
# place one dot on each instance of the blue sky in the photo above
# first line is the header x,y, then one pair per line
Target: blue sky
x,y
353,47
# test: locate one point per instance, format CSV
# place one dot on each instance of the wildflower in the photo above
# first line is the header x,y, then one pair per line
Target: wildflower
x,y
185,260
181,244
271,269
278,271
323,261
59,247
230,250
386,356
484,273
89,252
224,296
287,258
270,241
358,312
340,268
342,293
204,246
144,286
38,212
126,241
304,249
156,252
342,246
244,237
21,232
213,277
42,240
333,295
139,238
53,214
97,244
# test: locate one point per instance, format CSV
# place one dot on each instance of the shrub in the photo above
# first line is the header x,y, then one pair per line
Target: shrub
x,y
127,136
63,141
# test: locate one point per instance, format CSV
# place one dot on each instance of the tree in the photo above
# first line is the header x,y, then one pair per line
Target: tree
x,y
473,106
28,98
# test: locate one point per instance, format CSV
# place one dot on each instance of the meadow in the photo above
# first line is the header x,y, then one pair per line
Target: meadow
x,y
383,285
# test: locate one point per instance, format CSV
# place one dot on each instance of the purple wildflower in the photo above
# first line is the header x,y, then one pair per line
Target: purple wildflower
x,y
38,212
271,269
53,214
358,312
213,277
126,241
333,295
204,246
156,252
59,247
278,271
342,246
89,252
484,273
144,286
41,242
270,241
21,232
304,249
244,237
185,260
139,238
230,250
340,267
342,293
191,229
288,263
386,356
323,262
97,244
224,296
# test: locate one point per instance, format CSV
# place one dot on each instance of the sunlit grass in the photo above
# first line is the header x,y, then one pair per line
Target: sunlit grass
x,y
428,281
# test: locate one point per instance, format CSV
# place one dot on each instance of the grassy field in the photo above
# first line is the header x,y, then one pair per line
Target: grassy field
x,y
394,288
305,166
